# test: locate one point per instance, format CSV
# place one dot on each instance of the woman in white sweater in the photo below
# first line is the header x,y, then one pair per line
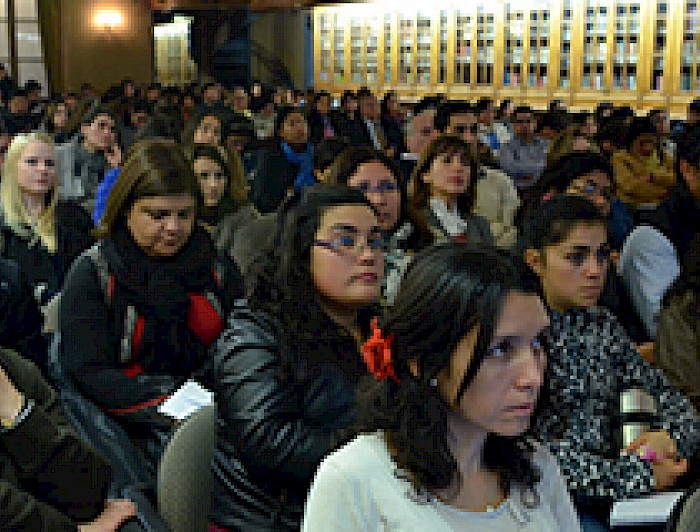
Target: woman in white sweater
x,y
458,362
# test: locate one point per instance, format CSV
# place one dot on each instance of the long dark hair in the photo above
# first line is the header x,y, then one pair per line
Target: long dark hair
x,y
279,281
440,146
345,167
448,290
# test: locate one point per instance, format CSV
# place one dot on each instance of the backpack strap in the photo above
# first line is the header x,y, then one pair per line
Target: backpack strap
x,y
104,277
133,323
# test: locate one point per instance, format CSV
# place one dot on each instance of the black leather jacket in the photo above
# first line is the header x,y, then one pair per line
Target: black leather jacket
x,y
272,432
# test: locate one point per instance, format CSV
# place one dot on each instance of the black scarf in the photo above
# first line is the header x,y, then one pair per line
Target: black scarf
x,y
158,289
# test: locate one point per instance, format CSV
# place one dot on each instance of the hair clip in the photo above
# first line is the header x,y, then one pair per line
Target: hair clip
x,y
377,354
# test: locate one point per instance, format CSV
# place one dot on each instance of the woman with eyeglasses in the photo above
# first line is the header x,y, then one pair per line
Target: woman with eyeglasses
x,y
444,191
287,365
377,177
591,361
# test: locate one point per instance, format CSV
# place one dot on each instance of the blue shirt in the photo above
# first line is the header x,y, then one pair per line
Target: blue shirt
x,y
102,194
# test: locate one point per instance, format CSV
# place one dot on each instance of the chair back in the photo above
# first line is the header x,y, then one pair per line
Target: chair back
x,y
184,473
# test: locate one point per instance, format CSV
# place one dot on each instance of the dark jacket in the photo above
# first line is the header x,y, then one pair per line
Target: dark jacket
x,y
272,429
45,270
20,319
130,352
393,131
317,128
49,479
275,175
478,229
678,217
92,330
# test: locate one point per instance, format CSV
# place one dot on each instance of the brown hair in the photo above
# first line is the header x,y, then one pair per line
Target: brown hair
x,y
445,144
152,168
230,162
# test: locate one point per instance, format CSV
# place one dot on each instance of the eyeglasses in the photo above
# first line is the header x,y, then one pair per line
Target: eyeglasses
x,y
590,188
383,188
351,245
460,130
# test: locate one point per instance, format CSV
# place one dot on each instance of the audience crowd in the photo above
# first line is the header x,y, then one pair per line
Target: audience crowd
x,y
410,316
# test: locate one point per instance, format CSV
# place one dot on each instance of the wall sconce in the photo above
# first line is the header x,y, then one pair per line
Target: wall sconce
x,y
108,20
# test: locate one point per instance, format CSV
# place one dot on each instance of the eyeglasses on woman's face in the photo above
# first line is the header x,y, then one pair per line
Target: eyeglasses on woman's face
x,y
349,243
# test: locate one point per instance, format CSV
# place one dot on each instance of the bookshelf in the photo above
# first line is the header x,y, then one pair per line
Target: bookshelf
x,y
641,53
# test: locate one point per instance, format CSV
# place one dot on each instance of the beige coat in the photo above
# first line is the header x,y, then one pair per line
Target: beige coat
x,y
497,200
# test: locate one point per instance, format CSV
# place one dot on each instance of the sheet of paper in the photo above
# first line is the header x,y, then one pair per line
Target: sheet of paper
x,y
651,509
186,400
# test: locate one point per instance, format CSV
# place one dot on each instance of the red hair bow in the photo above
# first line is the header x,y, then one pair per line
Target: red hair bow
x,y
377,354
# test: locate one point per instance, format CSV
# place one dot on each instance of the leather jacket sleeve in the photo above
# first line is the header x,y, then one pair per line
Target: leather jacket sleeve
x,y
260,409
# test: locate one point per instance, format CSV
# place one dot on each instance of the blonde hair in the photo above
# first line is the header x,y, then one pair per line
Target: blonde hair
x,y
12,201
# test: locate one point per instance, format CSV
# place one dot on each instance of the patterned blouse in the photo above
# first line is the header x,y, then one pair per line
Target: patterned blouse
x,y
591,361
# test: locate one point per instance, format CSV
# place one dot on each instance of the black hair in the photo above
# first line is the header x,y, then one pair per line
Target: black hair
x,y
549,222
92,114
346,96
641,125
18,92
522,109
31,85
557,177
282,114
279,280
694,106
483,103
554,120
426,103
447,109
447,292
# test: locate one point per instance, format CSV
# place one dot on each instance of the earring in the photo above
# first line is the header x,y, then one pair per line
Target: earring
x,y
433,382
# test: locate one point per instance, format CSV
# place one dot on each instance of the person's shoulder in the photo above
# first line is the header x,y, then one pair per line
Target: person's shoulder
x,y
365,457
70,213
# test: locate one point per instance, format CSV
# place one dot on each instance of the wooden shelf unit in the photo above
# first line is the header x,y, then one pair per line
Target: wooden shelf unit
x,y
643,53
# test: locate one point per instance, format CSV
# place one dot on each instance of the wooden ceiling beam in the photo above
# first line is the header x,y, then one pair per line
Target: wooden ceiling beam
x,y
255,5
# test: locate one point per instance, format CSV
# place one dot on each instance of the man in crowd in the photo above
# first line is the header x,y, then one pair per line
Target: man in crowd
x,y
16,117
420,131
368,131
524,157
83,162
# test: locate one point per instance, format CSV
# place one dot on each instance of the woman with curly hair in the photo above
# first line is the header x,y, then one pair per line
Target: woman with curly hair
x,y
287,364
444,192
459,361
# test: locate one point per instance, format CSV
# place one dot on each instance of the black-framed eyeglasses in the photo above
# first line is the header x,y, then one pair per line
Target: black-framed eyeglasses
x,y
352,246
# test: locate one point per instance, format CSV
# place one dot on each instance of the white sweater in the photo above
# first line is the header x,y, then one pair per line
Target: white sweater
x,y
357,489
